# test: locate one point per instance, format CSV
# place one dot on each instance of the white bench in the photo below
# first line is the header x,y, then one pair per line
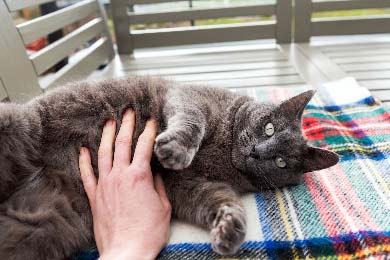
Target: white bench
x,y
19,72
238,65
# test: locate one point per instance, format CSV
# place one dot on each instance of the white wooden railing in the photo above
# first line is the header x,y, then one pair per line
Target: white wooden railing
x,y
19,71
279,28
306,26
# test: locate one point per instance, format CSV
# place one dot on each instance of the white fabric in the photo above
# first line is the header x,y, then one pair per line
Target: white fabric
x,y
182,232
342,92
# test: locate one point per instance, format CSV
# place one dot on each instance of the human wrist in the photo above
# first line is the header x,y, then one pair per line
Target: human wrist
x,y
117,255
128,253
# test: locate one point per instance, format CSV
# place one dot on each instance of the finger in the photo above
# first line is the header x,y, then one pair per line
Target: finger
x,y
123,141
87,176
144,149
105,149
160,188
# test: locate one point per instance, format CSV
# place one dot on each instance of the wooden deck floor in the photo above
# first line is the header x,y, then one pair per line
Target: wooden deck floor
x,y
268,65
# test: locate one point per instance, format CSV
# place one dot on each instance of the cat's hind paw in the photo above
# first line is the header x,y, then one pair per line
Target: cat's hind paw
x,y
229,229
172,154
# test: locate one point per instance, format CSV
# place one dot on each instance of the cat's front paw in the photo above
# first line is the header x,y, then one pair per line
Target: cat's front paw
x,y
171,153
229,229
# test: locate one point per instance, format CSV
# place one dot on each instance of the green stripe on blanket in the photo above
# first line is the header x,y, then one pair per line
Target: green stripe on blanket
x,y
341,212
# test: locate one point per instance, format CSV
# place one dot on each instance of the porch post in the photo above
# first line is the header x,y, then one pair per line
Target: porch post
x,y
122,26
283,21
302,20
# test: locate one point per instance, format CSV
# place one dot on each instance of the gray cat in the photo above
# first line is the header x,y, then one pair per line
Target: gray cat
x,y
212,145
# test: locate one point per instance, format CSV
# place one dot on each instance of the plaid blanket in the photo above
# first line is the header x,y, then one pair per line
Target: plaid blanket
x,y
337,213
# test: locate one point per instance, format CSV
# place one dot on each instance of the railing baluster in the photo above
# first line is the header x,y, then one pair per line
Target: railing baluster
x,y
302,20
122,26
283,25
190,4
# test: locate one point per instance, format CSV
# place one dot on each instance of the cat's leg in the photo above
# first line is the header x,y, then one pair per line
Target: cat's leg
x,y
39,223
214,206
176,146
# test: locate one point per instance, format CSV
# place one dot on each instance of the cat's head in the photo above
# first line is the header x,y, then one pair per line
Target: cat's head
x,y
268,145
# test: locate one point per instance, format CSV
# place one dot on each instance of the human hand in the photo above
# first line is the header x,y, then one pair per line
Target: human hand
x,y
130,208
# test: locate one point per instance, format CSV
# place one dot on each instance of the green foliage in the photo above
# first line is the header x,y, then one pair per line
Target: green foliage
x,y
358,12
235,20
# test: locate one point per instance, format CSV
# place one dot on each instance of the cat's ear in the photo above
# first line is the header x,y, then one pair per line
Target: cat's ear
x,y
318,159
294,106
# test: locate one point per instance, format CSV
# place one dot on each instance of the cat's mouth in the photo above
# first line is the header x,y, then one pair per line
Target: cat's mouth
x,y
252,161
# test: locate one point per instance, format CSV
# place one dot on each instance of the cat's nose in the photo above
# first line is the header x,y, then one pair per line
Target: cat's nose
x,y
264,150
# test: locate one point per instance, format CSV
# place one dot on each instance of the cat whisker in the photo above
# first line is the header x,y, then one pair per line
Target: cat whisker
x,y
268,181
271,183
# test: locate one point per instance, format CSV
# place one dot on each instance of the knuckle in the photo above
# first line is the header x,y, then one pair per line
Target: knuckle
x,y
140,168
88,184
116,179
86,175
169,209
135,167
128,119
139,172
112,180
88,187
116,170
139,176
122,140
103,152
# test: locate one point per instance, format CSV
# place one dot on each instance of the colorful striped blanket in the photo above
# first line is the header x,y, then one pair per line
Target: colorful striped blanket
x,y
338,213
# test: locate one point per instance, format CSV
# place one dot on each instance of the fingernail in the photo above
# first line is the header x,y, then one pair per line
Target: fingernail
x,y
82,150
128,112
151,121
110,122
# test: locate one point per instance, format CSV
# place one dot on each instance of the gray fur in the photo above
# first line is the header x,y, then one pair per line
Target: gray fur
x,y
210,141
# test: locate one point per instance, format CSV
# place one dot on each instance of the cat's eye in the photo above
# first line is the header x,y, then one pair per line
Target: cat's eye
x,y
269,129
280,162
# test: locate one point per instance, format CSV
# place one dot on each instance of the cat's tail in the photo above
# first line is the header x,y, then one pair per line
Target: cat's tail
x,y
19,143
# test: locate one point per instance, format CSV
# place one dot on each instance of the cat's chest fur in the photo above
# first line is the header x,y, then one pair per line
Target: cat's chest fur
x,y
213,160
